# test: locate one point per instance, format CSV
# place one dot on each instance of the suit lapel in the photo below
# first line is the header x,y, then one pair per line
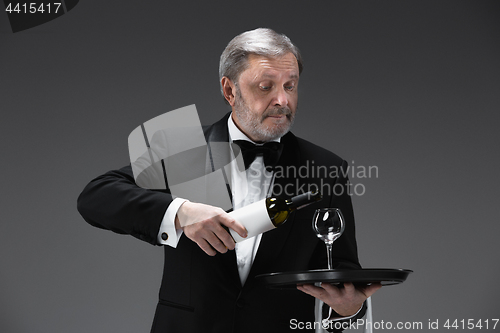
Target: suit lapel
x,y
218,133
219,156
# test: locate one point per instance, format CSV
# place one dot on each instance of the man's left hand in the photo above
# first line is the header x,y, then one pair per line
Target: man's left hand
x,y
345,301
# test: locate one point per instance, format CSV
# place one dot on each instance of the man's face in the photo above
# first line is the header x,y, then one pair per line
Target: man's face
x,y
266,97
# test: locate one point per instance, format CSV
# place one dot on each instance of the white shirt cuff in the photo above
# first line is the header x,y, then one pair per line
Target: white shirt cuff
x,y
325,321
168,235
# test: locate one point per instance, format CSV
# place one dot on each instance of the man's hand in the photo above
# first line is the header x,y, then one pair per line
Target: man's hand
x,y
345,301
202,224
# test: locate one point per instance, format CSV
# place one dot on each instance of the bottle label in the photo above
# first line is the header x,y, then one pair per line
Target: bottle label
x,y
254,218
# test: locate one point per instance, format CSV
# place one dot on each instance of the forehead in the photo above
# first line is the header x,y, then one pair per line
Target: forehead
x,y
265,67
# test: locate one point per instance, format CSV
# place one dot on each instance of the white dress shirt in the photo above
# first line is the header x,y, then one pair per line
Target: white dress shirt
x,y
247,187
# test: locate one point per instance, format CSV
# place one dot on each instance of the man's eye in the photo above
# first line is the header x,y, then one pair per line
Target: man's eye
x,y
289,87
265,87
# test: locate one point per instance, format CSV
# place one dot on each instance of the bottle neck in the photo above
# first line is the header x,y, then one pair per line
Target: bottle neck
x,y
302,200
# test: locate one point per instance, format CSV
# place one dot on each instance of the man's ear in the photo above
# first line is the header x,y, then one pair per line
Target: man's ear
x,y
229,90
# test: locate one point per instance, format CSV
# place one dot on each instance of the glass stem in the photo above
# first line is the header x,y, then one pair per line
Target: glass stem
x,y
329,253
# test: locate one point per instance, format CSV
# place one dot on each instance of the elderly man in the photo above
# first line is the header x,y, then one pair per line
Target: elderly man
x,y
209,281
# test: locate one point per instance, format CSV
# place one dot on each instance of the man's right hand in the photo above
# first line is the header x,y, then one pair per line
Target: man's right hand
x,y
202,224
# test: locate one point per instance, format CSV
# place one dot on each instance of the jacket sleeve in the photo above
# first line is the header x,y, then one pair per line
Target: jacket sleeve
x,y
114,202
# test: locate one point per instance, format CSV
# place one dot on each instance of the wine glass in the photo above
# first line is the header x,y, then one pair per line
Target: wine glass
x,y
328,224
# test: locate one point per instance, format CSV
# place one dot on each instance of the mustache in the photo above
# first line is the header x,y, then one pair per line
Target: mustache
x,y
277,112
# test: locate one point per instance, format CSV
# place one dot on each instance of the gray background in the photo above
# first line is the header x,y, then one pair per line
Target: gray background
x,y
412,87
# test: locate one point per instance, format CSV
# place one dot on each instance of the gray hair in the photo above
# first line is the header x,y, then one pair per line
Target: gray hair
x,y
262,41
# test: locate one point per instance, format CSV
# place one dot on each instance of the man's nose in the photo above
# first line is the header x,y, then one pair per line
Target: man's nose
x,y
280,98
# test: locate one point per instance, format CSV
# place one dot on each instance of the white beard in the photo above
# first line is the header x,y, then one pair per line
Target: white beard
x,y
252,124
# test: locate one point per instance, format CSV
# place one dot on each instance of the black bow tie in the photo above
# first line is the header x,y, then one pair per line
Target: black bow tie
x,y
271,152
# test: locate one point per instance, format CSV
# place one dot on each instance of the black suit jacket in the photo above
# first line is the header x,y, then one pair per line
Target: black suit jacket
x,y
200,293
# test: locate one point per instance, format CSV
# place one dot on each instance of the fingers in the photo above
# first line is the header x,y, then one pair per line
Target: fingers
x,y
210,237
331,294
219,239
317,292
345,301
324,292
231,223
336,291
371,289
203,224
203,244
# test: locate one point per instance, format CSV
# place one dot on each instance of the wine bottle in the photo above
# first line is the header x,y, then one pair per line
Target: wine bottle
x,y
269,213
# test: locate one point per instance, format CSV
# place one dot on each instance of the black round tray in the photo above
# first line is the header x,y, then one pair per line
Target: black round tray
x,y
287,280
